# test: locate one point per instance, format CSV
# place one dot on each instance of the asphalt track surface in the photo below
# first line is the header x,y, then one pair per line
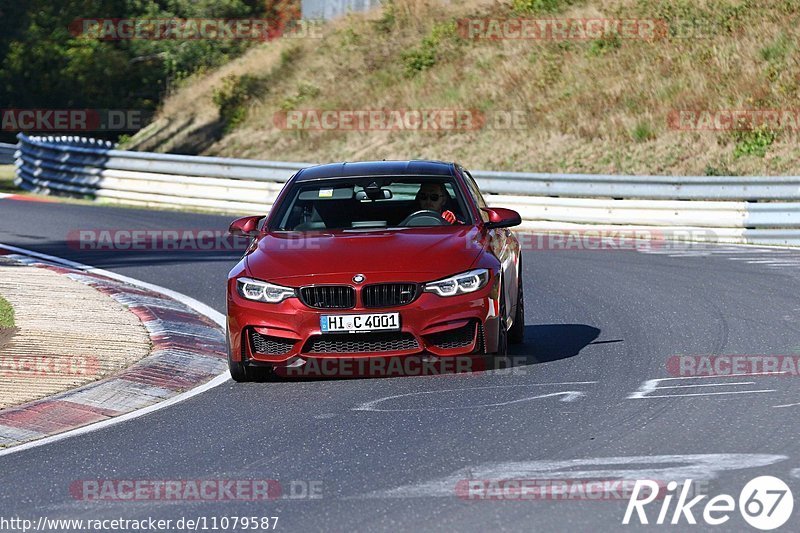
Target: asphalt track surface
x,y
604,322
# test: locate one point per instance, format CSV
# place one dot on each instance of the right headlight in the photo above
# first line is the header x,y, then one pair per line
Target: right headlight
x,y
460,283
262,291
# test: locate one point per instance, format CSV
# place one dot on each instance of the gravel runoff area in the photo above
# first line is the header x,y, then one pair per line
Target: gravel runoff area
x,y
67,334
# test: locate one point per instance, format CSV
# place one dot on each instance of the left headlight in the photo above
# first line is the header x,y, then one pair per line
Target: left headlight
x,y
261,291
460,283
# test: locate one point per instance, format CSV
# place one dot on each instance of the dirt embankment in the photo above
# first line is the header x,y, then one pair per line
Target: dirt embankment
x,y
658,103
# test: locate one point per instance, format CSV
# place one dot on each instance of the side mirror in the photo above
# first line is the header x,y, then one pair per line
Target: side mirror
x,y
245,226
500,217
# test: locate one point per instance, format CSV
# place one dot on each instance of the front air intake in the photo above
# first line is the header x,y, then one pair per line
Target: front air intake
x,y
328,296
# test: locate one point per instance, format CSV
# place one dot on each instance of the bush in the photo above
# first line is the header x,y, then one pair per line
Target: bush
x,y
289,56
541,6
424,56
42,64
233,98
753,142
388,20
304,91
609,41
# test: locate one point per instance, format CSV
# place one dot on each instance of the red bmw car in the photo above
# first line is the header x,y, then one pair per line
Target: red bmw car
x,y
384,259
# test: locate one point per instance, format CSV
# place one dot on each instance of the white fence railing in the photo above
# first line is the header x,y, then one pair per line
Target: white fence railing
x,y
764,210
329,9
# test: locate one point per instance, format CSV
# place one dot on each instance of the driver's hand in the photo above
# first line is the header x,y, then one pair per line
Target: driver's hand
x,y
449,216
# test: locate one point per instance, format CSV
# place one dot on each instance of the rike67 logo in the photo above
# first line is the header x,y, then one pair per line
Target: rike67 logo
x,y
765,503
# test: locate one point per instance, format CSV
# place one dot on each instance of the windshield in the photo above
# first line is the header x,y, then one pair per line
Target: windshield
x,y
376,202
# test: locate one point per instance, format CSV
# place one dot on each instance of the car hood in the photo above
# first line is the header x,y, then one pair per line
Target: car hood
x,y
420,254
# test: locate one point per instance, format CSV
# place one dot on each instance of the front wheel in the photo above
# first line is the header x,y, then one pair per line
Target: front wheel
x,y
239,371
497,360
502,334
517,333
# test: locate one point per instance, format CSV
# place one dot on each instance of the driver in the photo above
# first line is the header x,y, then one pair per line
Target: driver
x,y
433,197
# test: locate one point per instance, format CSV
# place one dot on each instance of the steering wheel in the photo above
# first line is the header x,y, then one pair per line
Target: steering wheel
x,y
423,217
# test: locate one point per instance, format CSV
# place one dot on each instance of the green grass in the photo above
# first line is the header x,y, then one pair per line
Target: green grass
x,y
643,132
6,314
753,142
7,179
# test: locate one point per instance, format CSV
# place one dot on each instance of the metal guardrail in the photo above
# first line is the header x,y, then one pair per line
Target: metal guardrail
x,y
763,210
7,153
328,9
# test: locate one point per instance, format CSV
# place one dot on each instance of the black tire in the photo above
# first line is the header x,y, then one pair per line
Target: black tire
x,y
517,333
497,360
502,334
239,371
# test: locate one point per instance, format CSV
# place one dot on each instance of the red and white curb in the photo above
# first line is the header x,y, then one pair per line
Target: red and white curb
x,y
23,198
188,357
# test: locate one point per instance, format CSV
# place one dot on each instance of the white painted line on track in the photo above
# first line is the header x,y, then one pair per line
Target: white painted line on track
x,y
567,396
198,306
770,261
695,467
788,405
709,385
753,251
709,393
653,385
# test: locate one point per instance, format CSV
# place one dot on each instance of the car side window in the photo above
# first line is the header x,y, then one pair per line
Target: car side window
x,y
476,193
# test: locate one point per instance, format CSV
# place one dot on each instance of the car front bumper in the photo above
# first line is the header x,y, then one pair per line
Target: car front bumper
x,y
288,334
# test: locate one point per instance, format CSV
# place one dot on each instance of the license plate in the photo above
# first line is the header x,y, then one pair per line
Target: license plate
x,y
353,323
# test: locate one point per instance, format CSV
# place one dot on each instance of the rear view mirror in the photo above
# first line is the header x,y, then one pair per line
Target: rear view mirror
x,y
381,194
373,191
245,226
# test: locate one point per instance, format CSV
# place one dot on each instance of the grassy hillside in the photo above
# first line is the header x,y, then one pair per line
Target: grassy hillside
x,y
592,105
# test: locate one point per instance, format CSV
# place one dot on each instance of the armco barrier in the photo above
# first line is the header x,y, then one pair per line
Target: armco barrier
x,y
7,153
764,210
329,9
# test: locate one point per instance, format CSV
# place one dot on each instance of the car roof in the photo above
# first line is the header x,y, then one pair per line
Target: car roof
x,y
375,168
